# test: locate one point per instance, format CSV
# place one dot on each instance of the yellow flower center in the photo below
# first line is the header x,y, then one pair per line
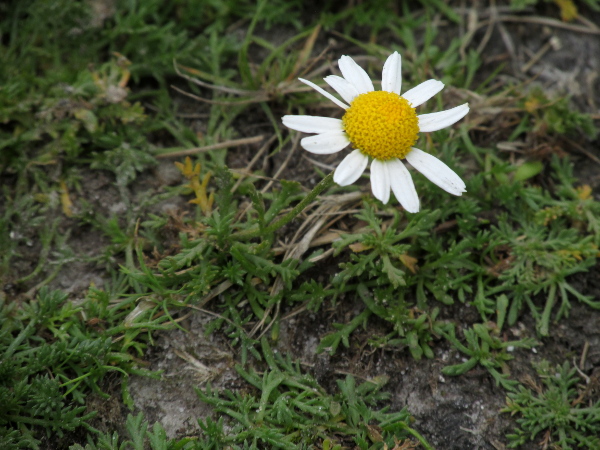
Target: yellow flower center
x,y
381,125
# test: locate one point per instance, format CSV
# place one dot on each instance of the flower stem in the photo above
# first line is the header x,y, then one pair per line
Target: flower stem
x,y
324,184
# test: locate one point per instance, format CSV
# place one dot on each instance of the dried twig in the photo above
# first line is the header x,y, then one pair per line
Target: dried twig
x,y
254,160
208,148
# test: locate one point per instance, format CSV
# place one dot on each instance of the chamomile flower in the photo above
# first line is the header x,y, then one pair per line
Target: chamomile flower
x,y
382,127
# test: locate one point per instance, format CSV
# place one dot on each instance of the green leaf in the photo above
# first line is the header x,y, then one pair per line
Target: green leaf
x,y
528,170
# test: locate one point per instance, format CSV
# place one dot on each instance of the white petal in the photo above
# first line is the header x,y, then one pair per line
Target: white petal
x,y
436,171
312,124
325,93
325,143
380,180
403,186
437,121
342,87
423,92
391,79
355,75
351,168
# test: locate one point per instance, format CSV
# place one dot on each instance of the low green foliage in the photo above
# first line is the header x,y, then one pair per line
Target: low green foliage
x,y
139,437
485,347
46,337
529,253
553,116
291,409
561,409
381,251
547,249
95,102
412,329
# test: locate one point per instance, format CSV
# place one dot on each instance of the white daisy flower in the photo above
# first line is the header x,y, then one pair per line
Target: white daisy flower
x,y
382,126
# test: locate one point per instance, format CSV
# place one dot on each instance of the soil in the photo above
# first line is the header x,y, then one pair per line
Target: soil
x,y
451,412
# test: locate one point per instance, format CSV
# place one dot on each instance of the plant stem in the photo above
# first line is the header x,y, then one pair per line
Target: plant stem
x,y
420,438
324,184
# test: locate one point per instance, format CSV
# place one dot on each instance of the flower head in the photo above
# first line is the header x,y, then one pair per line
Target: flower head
x,y
382,127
